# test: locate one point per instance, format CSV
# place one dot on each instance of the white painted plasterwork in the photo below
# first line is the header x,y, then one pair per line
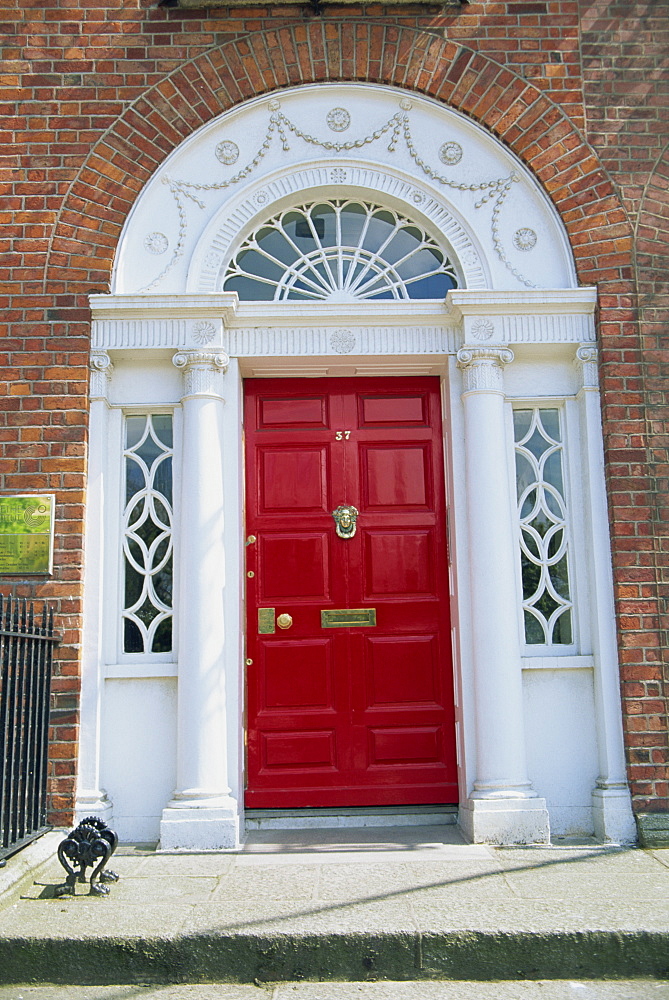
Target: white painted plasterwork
x,y
101,370
91,797
201,371
381,339
253,330
392,151
517,296
483,368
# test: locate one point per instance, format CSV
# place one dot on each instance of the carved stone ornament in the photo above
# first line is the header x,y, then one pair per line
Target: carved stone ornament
x,y
482,329
101,372
202,371
156,243
188,195
338,119
400,138
342,341
524,239
586,360
345,519
227,152
212,260
450,153
203,332
483,368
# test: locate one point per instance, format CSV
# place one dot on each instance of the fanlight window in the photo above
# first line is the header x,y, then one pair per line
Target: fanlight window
x,y
343,251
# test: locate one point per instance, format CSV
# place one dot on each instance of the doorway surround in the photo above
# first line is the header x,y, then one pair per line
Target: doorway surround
x,y
179,343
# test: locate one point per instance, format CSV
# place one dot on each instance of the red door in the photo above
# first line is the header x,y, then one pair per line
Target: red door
x,y
352,703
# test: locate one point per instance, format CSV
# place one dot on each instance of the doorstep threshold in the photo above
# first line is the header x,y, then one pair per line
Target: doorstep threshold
x,y
350,817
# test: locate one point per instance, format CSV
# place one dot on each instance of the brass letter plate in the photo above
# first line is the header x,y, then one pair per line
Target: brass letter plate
x,y
348,617
266,621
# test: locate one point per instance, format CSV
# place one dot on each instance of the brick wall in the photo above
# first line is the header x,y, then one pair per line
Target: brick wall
x,y
625,50
93,97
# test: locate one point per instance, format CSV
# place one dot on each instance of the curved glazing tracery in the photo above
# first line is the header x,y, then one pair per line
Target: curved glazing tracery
x,y
542,508
147,535
342,251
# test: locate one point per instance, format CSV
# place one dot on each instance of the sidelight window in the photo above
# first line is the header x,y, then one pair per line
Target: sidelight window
x,y
542,510
342,251
147,534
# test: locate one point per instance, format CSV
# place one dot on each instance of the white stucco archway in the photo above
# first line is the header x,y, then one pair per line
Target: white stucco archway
x,y
517,329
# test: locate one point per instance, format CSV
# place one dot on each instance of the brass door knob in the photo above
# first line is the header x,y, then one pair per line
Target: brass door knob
x,y
284,621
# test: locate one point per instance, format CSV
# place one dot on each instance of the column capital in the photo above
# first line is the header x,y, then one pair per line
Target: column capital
x,y
483,368
101,369
587,361
201,369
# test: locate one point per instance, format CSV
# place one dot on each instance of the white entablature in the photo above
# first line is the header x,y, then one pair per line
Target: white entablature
x,y
342,141
251,330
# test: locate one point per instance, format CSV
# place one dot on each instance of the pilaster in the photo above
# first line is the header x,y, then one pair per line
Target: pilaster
x,y
502,807
91,798
611,800
202,815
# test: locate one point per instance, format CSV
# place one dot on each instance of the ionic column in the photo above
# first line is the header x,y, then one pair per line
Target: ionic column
x,y
202,814
502,807
91,798
611,801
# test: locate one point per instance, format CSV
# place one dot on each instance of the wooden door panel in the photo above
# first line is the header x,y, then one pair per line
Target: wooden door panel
x,y
293,480
404,747
396,477
293,567
396,410
385,689
310,411
291,751
399,563
403,671
296,676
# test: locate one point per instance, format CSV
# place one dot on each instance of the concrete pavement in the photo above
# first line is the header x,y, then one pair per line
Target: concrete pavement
x,y
626,989
398,904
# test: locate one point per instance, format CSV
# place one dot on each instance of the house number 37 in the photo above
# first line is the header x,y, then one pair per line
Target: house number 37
x,y
342,435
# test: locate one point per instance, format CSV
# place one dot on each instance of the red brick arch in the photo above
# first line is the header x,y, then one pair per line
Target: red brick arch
x,y
517,112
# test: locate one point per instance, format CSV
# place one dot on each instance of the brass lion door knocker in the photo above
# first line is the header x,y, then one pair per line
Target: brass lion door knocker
x,y
345,517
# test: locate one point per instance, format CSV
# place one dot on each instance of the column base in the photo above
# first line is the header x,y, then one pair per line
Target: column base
x,y
505,821
653,829
93,803
200,828
612,814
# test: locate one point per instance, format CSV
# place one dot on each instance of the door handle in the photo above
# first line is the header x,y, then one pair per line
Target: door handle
x,y
267,622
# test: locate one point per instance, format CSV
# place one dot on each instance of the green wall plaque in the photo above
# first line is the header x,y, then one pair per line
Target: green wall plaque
x,y
26,534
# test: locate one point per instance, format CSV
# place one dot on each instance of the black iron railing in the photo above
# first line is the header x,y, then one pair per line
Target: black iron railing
x,y
26,653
